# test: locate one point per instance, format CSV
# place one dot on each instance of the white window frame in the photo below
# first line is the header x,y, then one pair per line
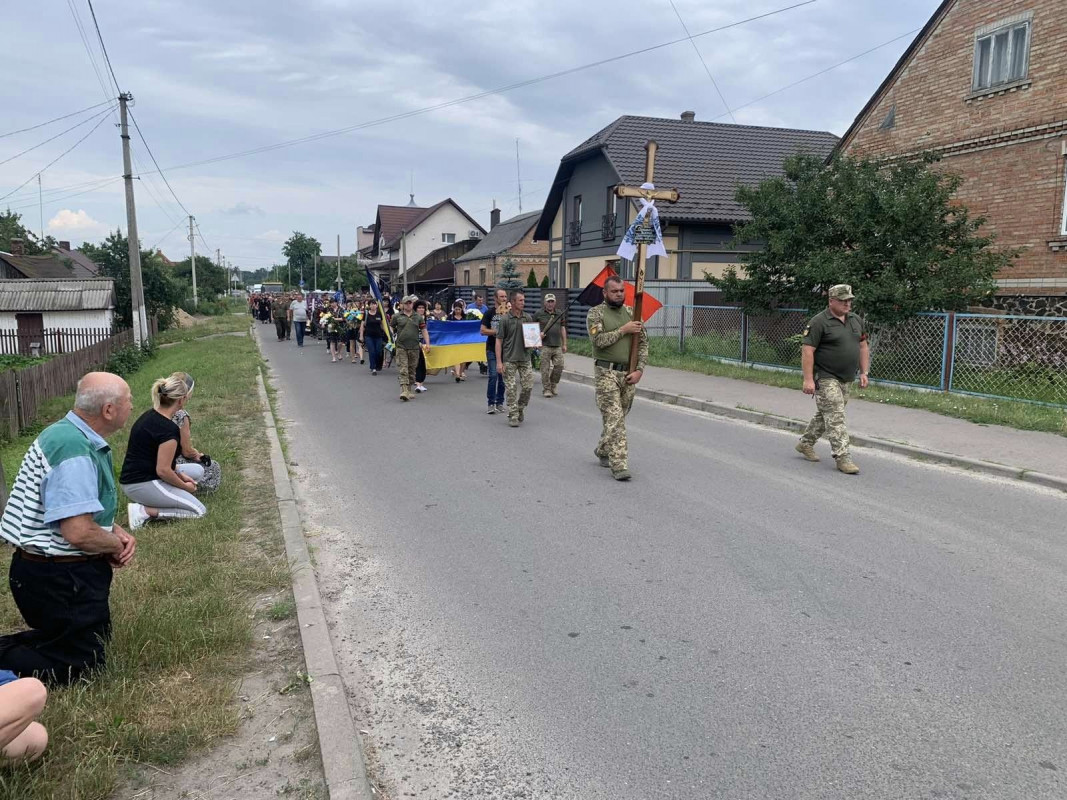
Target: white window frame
x,y
983,83
1063,222
446,240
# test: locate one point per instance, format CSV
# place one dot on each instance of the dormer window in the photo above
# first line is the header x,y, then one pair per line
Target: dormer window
x,y
1001,54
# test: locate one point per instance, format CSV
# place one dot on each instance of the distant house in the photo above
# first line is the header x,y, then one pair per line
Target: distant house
x,y
59,263
583,221
405,235
512,238
54,315
984,87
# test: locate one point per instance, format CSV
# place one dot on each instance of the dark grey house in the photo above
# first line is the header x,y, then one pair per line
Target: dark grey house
x,y
584,222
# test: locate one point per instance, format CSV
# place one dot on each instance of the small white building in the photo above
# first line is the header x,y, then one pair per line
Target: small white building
x,y
58,315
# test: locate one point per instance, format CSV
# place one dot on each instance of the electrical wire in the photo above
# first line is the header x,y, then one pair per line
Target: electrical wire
x,y
103,48
54,160
477,96
51,200
702,61
105,112
158,170
168,233
57,119
89,51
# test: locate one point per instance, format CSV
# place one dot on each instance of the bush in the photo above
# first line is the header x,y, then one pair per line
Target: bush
x,y
130,359
206,308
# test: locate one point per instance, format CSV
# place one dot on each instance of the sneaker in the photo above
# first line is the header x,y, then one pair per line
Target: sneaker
x,y
620,474
492,410
604,462
458,379
374,372
547,393
500,408
420,388
361,360
806,450
846,465
137,516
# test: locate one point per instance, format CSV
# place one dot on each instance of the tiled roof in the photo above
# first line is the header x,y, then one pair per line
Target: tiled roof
x,y
423,215
503,237
392,220
45,266
704,161
87,294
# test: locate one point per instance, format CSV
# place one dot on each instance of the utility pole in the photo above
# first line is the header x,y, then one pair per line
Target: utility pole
x,y
140,319
192,258
404,260
315,285
40,200
339,262
518,175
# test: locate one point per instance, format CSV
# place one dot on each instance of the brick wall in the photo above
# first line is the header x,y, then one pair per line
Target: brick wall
x,y
1015,175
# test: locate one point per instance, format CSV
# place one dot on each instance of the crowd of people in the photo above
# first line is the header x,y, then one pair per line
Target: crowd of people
x,y
61,521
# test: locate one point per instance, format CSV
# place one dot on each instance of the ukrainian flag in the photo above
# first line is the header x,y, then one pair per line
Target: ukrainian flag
x,y
454,343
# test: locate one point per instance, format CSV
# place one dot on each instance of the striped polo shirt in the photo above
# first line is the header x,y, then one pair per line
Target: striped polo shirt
x,y
66,472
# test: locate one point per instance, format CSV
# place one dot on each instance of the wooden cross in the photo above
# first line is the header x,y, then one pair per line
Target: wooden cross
x,y
671,196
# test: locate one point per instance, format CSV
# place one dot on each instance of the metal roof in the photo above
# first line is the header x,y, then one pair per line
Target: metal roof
x,y
88,294
44,266
503,237
704,161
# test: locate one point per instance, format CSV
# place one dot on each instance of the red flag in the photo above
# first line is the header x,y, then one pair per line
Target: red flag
x,y
592,295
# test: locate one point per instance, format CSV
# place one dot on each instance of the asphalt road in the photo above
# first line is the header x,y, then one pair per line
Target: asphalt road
x,y
733,623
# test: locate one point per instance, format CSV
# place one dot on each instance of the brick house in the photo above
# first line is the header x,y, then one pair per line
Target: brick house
x,y
984,86
512,238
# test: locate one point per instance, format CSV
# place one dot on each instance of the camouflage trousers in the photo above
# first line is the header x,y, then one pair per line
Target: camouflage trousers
x,y
518,384
551,367
406,363
614,396
831,397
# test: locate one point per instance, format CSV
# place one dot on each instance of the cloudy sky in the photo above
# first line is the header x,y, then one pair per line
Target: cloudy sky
x,y
214,78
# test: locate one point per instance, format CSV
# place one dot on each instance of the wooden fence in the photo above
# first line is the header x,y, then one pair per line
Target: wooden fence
x,y
23,391
50,341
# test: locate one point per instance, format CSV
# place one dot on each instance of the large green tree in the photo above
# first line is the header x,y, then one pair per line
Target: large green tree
x,y
11,227
895,232
300,251
211,279
162,292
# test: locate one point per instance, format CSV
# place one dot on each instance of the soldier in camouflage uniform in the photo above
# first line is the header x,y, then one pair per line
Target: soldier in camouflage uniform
x,y
278,309
408,328
834,348
512,353
553,345
611,328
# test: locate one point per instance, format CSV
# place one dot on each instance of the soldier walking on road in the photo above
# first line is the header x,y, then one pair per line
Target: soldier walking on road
x,y
279,312
511,351
553,345
834,348
408,328
611,328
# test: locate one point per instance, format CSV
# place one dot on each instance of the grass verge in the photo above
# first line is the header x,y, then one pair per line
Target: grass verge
x,y
982,410
181,611
227,323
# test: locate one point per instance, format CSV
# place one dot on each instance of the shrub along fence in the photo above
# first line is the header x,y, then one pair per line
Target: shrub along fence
x,y
23,391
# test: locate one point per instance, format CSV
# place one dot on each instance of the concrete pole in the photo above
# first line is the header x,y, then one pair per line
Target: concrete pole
x,y
192,259
404,260
338,262
140,318
315,286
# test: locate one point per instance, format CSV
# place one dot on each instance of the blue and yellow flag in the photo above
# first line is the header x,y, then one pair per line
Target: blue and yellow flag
x,y
377,292
454,343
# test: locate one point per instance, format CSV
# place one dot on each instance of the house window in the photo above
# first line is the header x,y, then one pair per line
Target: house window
x,y
575,277
448,238
577,210
890,120
466,277
610,204
1001,55
624,269
481,276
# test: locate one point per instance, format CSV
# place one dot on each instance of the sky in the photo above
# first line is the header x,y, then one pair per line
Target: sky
x,y
212,78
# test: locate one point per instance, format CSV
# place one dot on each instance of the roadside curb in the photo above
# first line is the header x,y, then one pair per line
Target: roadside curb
x,y
860,440
340,745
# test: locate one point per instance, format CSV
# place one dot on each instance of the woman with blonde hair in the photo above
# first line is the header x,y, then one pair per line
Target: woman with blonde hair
x,y
149,477
191,462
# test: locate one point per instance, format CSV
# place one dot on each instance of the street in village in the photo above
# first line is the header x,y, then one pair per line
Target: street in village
x,y
735,622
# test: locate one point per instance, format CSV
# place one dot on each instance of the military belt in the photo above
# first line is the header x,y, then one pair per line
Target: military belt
x,y
612,365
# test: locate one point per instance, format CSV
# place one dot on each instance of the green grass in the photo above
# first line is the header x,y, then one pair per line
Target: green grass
x,y
20,362
181,611
228,323
982,410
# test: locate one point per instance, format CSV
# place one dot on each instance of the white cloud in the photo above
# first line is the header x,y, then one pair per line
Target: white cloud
x,y
273,236
68,222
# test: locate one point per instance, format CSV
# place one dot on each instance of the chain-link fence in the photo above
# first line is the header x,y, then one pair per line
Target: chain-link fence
x,y
1012,357
911,353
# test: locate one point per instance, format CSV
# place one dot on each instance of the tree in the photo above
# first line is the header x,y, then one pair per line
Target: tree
x,y
11,227
544,282
509,276
211,279
531,280
162,293
894,232
300,251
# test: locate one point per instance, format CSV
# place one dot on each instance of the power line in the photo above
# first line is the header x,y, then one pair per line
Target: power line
x,y
168,233
53,138
103,48
57,119
88,49
54,160
158,169
823,71
61,189
702,61
479,95
51,200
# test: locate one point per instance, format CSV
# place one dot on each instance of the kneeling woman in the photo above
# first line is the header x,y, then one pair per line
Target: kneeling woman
x,y
149,477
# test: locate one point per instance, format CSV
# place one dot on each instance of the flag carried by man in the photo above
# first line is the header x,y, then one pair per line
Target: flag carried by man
x,y
593,295
377,292
453,342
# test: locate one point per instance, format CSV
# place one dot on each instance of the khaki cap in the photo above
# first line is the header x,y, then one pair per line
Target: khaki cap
x,y
841,291
549,297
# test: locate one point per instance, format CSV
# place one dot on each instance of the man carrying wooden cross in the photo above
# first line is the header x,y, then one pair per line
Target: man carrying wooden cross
x,y
620,343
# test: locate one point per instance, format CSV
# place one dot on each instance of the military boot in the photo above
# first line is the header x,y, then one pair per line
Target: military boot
x,y
620,474
846,465
604,460
806,450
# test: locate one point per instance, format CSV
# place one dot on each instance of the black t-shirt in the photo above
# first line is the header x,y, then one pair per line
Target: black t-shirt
x,y
149,431
487,321
373,326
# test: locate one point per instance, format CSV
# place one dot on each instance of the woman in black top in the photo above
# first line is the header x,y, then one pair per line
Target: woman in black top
x,y
373,335
149,477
